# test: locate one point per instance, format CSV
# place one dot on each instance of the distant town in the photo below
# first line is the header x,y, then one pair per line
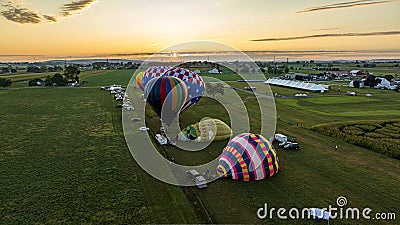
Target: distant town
x,y
379,74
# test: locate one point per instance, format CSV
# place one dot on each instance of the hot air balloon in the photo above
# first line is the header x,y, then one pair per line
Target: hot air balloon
x,y
193,81
153,72
166,95
248,157
206,130
139,82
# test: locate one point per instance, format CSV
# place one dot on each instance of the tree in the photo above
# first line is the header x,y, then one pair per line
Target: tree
x,y
4,70
219,89
286,69
213,89
389,77
371,81
48,81
33,69
5,82
71,72
58,79
270,69
210,89
43,69
35,82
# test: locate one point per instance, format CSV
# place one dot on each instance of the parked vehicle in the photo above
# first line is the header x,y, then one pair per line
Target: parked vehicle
x,y
144,129
291,146
281,138
199,180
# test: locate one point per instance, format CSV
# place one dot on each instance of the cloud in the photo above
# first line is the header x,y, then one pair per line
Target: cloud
x,y
15,11
345,5
50,18
326,29
20,15
383,33
68,8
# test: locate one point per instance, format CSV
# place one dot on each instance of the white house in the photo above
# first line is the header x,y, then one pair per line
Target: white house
x,y
214,71
356,73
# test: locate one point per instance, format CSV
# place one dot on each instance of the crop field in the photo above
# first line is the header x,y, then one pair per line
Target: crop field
x,y
380,136
64,160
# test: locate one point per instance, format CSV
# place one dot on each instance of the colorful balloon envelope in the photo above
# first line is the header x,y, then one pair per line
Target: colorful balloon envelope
x,y
248,157
166,95
206,130
153,72
193,81
139,82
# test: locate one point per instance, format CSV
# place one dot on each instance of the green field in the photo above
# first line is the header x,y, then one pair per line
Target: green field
x,y
108,78
64,160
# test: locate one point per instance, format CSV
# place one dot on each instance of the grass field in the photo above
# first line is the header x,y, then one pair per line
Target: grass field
x,y
316,175
64,160
21,80
107,78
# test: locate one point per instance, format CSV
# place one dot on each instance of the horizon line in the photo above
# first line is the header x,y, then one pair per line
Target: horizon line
x,y
199,52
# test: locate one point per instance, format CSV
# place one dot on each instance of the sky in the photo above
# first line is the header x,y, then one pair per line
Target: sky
x,y
90,27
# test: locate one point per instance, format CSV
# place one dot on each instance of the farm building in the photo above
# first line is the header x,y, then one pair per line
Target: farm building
x,y
356,73
214,71
298,85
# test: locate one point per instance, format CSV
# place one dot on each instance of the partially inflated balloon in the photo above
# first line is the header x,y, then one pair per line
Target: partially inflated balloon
x,y
248,157
166,95
193,81
139,81
206,130
153,72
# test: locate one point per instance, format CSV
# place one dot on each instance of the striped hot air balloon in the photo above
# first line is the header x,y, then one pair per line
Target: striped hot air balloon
x,y
248,157
153,72
166,95
139,81
193,81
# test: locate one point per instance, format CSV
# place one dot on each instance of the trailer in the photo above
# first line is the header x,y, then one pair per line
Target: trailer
x,y
281,138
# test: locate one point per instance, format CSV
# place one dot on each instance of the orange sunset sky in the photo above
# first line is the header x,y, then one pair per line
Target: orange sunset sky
x,y
80,27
